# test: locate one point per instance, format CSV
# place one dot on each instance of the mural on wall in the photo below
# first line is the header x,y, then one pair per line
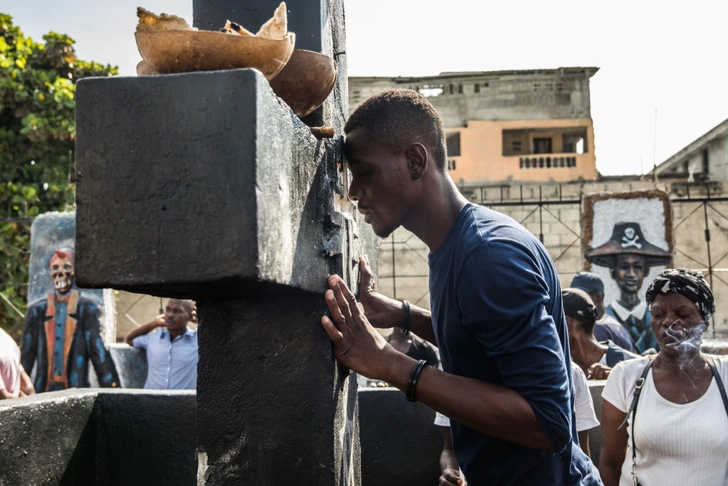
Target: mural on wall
x,y
628,241
63,330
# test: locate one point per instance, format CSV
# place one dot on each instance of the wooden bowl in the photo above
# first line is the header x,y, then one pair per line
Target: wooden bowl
x,y
306,81
182,51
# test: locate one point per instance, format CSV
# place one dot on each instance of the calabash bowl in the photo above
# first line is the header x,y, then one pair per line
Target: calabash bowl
x,y
305,81
182,51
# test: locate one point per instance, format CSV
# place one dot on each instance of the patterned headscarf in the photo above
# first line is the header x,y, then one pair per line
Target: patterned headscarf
x,y
688,283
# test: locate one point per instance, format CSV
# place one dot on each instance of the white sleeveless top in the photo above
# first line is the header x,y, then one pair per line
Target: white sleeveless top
x,y
676,444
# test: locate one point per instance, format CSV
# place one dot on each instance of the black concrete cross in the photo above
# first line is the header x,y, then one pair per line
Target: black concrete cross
x,y
207,186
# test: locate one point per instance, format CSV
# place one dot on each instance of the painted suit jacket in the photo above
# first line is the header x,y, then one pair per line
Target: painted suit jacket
x,y
639,329
81,341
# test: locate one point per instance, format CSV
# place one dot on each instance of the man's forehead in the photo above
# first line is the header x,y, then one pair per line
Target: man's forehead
x,y
180,303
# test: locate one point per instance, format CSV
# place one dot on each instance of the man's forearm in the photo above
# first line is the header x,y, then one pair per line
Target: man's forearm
x,y
422,323
140,331
493,409
26,384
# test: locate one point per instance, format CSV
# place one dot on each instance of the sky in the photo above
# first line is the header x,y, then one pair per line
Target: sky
x,y
662,81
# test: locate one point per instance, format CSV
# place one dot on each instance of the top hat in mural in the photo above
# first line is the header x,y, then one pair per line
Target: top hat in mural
x,y
627,239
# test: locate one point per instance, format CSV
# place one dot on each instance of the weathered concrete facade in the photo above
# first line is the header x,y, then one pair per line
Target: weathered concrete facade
x,y
403,269
528,125
703,160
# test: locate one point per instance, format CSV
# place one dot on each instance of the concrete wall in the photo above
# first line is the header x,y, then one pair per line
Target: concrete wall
x,y
482,158
496,95
95,436
480,105
148,438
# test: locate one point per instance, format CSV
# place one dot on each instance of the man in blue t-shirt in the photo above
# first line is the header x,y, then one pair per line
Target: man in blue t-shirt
x,y
497,313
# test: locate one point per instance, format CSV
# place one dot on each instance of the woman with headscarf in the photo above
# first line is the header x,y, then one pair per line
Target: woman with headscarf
x,y
665,417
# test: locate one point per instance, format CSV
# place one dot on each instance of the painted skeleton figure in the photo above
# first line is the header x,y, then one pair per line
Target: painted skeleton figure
x,y
62,333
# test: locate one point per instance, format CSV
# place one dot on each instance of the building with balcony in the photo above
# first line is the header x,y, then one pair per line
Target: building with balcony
x,y
526,125
703,160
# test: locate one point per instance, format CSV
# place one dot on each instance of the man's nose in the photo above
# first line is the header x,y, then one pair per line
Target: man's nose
x,y
354,192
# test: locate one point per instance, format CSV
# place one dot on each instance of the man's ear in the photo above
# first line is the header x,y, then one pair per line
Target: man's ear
x,y
418,158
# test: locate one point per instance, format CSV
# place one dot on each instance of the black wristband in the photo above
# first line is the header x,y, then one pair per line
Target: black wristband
x,y
411,391
407,317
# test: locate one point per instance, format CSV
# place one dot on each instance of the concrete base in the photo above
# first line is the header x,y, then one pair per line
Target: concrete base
x,y
266,384
117,437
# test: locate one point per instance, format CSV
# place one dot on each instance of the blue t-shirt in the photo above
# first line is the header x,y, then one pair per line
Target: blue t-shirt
x,y
498,317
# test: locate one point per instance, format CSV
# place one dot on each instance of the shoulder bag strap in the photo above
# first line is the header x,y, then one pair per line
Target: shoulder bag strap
x,y
633,411
718,380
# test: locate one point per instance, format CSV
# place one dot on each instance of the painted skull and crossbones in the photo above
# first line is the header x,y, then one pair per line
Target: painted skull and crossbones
x,y
630,238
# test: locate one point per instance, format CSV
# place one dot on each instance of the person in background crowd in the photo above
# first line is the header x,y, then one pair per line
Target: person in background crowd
x,y
665,417
606,328
413,346
171,348
14,381
594,358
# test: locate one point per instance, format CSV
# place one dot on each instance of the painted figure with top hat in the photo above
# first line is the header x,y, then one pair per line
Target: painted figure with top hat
x,y
629,257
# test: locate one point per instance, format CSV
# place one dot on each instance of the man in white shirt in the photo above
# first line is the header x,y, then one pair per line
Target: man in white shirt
x,y
171,348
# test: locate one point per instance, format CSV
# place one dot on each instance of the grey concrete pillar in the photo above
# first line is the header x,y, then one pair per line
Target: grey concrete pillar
x,y
207,186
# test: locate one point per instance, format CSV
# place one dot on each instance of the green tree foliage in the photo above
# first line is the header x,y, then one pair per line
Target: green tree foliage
x,y
37,131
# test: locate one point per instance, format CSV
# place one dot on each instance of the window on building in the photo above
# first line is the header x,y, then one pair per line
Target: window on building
x,y
476,87
515,142
431,90
542,146
460,88
574,141
453,144
451,164
706,163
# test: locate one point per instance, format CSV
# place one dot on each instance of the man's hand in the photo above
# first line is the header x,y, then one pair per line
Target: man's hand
x,y
357,345
381,311
452,477
150,326
598,371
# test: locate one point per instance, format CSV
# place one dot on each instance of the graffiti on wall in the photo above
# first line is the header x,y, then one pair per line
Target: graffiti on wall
x,y
63,331
628,241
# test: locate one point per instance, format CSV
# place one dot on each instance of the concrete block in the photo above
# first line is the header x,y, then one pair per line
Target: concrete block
x,y
273,406
49,438
115,437
202,184
400,442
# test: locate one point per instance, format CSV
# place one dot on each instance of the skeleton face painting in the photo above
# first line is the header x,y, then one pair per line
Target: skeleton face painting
x,y
62,272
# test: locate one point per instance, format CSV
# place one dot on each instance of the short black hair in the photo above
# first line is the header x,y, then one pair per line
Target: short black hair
x,y
399,117
579,306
